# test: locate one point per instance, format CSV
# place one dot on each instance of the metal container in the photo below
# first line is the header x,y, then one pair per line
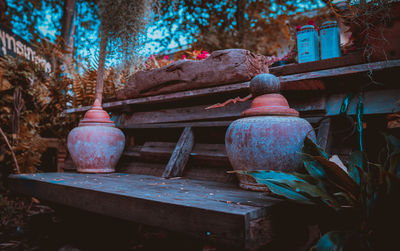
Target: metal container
x,y
269,137
307,44
96,144
330,40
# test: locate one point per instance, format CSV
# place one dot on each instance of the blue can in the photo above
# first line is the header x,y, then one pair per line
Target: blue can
x,y
330,40
307,44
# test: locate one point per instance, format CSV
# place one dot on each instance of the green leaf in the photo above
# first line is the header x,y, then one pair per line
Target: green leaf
x,y
356,162
277,184
313,149
285,191
349,201
333,241
337,176
275,175
392,144
313,167
315,192
293,186
393,149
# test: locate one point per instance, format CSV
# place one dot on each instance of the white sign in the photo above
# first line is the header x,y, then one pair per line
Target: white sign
x,y
12,45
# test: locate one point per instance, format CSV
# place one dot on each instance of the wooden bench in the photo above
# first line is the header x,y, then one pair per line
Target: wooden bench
x,y
173,135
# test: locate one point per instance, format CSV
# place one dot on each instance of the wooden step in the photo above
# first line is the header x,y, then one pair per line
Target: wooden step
x,y
214,211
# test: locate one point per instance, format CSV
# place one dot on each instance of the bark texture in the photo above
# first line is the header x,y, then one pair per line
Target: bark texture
x,y
221,67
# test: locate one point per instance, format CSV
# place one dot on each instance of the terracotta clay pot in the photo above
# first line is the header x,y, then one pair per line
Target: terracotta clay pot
x,y
96,144
269,137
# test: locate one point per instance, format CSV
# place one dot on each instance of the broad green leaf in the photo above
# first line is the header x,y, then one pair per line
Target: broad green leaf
x,y
333,241
299,185
337,176
286,191
315,192
355,163
313,149
296,183
345,197
394,164
276,182
269,174
393,149
392,143
313,167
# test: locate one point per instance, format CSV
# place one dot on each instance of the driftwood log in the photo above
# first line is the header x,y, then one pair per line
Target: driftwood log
x,y
221,67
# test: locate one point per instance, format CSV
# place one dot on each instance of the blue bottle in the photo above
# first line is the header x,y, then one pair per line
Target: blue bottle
x,y
330,40
307,44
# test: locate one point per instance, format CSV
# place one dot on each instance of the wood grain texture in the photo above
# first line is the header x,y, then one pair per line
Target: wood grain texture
x,y
180,155
213,211
230,111
132,151
141,167
183,95
289,82
164,150
219,123
375,102
226,123
221,67
341,71
350,59
195,171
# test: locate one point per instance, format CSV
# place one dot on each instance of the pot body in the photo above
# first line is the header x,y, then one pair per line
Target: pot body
x,y
266,143
96,148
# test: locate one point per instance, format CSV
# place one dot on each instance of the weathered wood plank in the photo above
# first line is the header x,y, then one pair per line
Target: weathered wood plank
x,y
210,173
183,114
221,67
132,151
375,102
223,123
245,85
168,97
140,167
210,210
341,71
180,155
316,104
194,171
218,123
350,59
164,150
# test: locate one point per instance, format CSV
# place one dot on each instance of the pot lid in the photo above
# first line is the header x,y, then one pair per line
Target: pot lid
x,y
268,101
308,26
96,114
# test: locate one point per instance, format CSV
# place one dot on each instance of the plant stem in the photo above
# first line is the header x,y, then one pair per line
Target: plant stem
x,y
12,152
100,70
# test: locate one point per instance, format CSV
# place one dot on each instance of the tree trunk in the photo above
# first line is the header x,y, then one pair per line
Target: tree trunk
x,y
239,15
100,69
4,19
66,21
